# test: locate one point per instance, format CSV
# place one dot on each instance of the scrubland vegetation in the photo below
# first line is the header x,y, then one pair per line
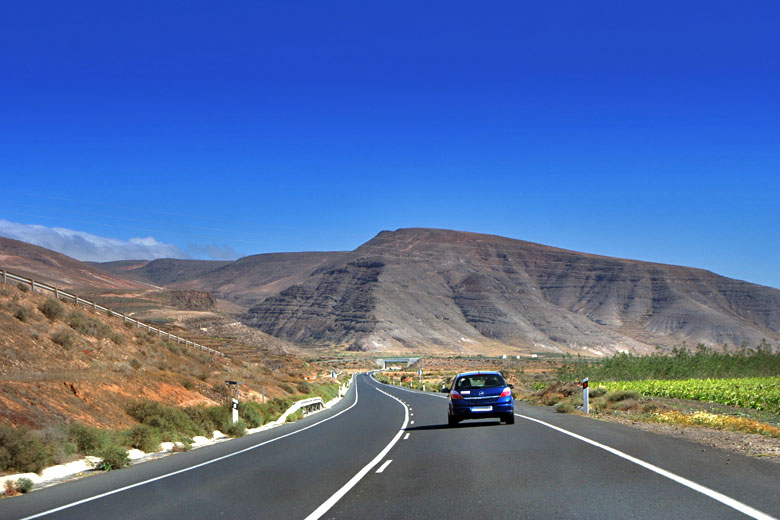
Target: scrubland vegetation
x,y
24,450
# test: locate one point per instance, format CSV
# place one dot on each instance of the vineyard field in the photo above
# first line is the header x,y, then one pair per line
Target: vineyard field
x,y
760,393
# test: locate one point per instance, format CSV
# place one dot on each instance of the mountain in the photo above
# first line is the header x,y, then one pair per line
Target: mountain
x,y
465,292
48,266
163,271
246,282
251,279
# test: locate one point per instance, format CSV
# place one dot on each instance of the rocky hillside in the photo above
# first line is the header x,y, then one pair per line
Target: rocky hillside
x,y
466,292
48,266
61,363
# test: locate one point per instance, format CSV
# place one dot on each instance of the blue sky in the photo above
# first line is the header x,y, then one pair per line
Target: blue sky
x,y
640,131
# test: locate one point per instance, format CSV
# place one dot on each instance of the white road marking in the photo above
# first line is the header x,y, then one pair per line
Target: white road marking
x,y
411,422
325,506
190,468
406,436
383,466
720,497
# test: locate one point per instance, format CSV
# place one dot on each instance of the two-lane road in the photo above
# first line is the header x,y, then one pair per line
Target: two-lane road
x,y
386,452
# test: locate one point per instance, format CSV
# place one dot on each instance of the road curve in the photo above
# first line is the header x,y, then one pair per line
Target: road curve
x,y
386,452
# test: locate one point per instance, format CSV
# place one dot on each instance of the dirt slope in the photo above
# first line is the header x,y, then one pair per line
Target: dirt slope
x,y
87,367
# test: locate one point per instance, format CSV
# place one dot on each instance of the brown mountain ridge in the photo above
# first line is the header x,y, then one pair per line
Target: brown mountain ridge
x,y
463,292
449,291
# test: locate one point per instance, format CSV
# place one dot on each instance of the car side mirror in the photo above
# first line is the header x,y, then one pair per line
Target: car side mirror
x,y
445,390
511,386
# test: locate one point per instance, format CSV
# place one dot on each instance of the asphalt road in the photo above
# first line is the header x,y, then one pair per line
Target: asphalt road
x,y
386,452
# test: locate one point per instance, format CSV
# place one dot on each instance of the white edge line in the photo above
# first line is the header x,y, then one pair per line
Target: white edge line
x,y
384,466
720,497
715,495
189,468
325,506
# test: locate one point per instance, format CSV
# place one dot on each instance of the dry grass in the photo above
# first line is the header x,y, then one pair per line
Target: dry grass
x,y
716,421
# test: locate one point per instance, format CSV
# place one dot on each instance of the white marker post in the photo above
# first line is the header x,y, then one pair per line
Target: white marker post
x,y
585,395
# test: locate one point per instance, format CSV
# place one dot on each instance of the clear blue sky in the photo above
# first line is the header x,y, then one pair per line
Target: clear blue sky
x,y
641,130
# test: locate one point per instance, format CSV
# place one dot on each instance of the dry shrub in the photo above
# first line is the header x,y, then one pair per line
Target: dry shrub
x,y
564,407
628,405
52,309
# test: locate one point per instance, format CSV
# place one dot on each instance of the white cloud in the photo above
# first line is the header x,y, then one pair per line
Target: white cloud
x,y
88,247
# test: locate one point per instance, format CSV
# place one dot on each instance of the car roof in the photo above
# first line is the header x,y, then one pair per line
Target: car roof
x,y
479,372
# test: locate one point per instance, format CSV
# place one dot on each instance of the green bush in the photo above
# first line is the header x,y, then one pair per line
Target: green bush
x,y
64,338
237,429
201,417
117,339
88,440
52,309
287,388
24,485
564,407
113,456
303,387
23,287
143,437
172,422
221,417
251,413
597,391
88,325
23,451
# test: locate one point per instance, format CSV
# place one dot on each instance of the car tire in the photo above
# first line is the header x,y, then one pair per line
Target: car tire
x,y
452,421
509,418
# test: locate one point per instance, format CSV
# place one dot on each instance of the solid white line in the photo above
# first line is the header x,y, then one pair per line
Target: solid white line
x,y
406,436
720,497
325,506
383,466
723,499
190,468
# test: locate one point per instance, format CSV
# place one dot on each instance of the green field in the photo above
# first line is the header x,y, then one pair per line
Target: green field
x,y
760,393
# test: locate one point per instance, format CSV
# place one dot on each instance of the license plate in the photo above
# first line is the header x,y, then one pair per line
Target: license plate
x,y
481,408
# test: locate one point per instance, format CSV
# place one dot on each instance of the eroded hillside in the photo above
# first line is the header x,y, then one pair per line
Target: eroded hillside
x,y
61,364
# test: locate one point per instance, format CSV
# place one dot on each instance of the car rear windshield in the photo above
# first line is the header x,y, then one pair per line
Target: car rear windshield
x,y
479,381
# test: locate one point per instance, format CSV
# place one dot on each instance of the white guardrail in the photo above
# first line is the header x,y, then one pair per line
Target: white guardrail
x,y
310,405
58,294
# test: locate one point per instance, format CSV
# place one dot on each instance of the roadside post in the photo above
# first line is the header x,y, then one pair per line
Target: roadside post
x,y
419,374
585,392
234,401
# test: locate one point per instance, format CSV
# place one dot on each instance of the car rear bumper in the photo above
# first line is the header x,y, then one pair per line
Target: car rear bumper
x,y
472,411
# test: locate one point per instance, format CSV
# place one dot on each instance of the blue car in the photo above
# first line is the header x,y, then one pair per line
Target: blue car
x,y
478,395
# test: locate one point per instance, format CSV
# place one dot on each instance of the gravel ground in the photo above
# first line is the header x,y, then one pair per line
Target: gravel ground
x,y
743,443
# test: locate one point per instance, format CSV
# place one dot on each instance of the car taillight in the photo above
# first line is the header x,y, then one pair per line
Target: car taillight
x,y
455,395
506,393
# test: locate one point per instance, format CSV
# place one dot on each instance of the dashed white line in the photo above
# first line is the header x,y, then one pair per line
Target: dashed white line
x,y
406,436
329,503
412,422
190,468
383,466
